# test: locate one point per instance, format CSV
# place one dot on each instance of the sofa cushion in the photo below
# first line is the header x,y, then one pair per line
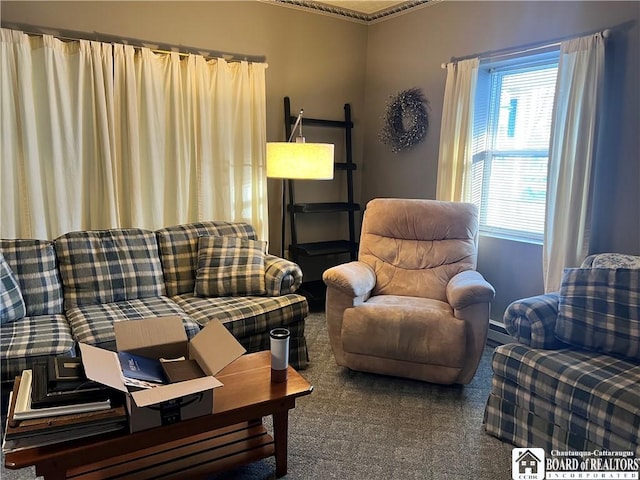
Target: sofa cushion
x,y
245,316
601,388
107,266
35,268
599,309
30,339
229,266
178,247
250,319
93,324
11,302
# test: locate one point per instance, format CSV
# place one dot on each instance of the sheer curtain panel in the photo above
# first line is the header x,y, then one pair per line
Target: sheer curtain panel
x,y
57,136
100,136
571,156
454,159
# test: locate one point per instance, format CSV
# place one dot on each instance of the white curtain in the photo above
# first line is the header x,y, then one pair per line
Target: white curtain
x,y
56,140
103,136
571,156
454,159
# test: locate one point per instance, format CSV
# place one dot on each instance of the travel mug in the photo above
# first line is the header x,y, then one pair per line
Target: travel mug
x,y
279,354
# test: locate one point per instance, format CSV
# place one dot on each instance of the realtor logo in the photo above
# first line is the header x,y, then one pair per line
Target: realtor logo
x,y
527,463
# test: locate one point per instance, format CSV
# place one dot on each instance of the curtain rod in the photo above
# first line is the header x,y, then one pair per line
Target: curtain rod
x,y
156,47
520,50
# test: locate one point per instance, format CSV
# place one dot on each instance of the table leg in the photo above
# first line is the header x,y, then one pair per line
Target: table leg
x,y
51,471
281,438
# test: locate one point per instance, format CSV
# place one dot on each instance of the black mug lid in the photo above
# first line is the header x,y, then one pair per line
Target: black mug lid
x,y
280,333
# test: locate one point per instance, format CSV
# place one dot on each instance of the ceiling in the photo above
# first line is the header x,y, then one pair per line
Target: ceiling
x,y
362,11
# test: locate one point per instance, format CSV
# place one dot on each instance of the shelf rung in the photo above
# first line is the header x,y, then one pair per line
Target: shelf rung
x,y
321,123
326,207
333,247
345,166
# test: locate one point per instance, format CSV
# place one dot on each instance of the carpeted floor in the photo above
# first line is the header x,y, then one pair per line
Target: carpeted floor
x,y
363,426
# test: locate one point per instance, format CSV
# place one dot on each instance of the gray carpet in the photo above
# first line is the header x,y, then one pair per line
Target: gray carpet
x,y
362,426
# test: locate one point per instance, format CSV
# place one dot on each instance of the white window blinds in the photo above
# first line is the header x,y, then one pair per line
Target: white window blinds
x,y
512,126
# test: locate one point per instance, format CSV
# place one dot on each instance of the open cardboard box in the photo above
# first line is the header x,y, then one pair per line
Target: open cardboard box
x,y
213,348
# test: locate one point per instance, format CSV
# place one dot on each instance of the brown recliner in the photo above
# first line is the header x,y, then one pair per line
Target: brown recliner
x,y
412,305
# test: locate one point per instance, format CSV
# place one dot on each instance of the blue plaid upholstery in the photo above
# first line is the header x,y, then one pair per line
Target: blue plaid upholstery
x,y
281,276
119,275
30,339
599,309
230,266
106,266
35,268
93,324
11,302
521,427
564,399
552,395
532,321
178,247
250,319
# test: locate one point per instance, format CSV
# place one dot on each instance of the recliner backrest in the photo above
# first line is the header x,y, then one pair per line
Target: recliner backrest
x,y
416,246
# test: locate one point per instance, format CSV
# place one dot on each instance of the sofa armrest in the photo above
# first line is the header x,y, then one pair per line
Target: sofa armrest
x,y
282,276
532,321
467,288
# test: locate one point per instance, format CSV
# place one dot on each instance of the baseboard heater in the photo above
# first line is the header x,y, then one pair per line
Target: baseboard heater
x,y
499,334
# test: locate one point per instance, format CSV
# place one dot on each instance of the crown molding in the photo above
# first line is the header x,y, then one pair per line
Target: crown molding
x,y
352,15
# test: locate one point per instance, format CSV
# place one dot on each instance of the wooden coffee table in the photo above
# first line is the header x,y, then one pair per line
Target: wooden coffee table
x,y
233,435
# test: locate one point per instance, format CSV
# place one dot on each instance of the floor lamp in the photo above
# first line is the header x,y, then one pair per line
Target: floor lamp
x,y
298,161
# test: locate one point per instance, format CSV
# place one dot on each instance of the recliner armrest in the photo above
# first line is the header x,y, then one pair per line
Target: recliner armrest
x,y
467,288
353,278
281,276
532,321
348,285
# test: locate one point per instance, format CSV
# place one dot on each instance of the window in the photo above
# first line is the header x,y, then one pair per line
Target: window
x,y
512,126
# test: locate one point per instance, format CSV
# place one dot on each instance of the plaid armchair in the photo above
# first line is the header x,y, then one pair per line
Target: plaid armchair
x,y
572,380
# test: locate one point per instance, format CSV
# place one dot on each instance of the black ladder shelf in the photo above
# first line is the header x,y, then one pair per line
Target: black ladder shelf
x,y
299,251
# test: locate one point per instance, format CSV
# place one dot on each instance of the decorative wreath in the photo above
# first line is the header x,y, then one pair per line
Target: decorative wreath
x,y
406,120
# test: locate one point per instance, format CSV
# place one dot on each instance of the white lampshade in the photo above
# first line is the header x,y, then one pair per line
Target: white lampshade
x,y
311,161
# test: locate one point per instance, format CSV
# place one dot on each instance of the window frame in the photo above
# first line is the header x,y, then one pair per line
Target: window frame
x,y
485,127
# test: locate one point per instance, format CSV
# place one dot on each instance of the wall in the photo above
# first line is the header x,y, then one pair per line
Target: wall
x,y
322,62
316,60
407,51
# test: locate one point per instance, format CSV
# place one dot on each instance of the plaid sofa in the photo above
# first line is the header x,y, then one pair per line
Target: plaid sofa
x,y
76,286
249,318
572,379
44,329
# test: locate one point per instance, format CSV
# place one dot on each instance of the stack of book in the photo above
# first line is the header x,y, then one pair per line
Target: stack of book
x,y
145,372
54,402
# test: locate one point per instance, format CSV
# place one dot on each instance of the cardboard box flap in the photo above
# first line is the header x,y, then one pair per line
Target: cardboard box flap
x,y
138,335
102,366
152,396
214,347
